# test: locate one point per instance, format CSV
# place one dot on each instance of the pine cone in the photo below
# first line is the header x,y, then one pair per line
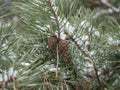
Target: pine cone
x,y
63,47
52,43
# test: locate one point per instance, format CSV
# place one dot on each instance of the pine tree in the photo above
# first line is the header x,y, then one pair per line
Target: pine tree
x,y
59,45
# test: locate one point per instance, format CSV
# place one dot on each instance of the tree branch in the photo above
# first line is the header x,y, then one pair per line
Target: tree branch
x,y
87,54
55,15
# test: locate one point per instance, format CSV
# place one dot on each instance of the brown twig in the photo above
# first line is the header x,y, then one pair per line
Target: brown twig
x,y
86,53
107,4
56,17
94,65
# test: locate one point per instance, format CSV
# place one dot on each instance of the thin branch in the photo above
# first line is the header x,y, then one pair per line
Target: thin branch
x,y
111,9
75,42
57,62
56,17
86,53
96,72
93,62
107,4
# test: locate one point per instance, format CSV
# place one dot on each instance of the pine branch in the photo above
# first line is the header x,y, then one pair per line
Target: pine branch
x,y
111,9
55,15
85,53
114,9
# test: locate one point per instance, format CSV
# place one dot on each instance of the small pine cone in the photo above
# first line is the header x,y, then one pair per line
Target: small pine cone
x,y
63,47
52,44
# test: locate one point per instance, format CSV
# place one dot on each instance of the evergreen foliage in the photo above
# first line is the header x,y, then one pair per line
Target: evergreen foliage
x,y
35,56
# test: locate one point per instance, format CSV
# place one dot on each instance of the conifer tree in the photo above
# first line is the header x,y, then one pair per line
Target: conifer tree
x,y
59,45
